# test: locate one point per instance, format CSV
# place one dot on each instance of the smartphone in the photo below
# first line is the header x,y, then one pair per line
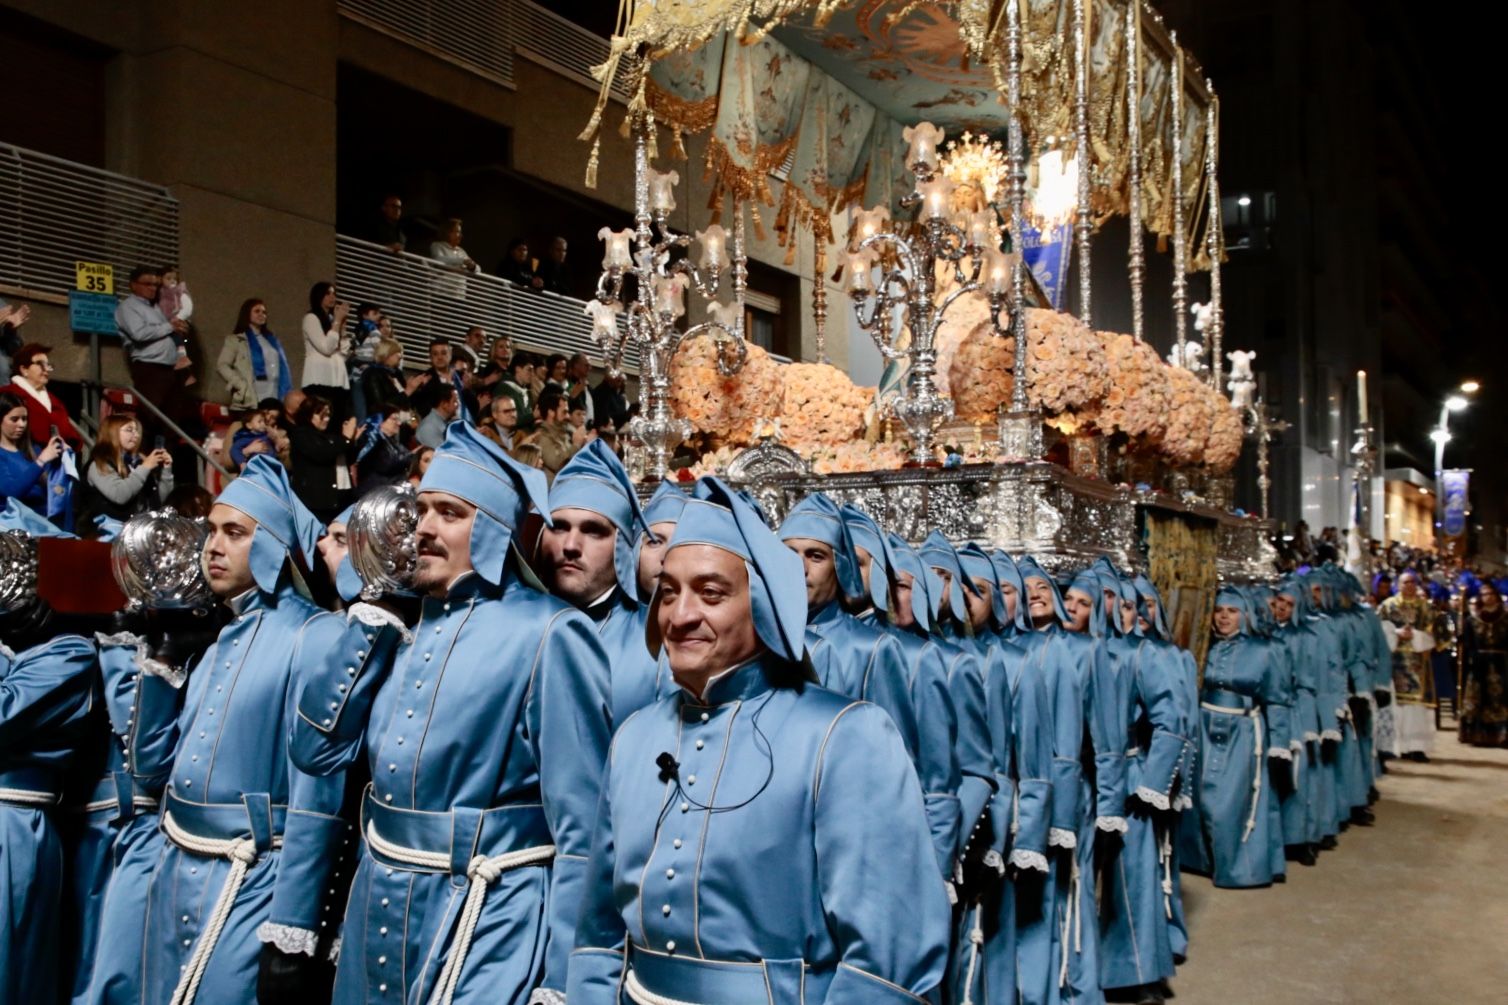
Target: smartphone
x,y
158,443
52,431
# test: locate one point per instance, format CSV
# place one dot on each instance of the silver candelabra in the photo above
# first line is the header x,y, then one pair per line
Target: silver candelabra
x,y
651,319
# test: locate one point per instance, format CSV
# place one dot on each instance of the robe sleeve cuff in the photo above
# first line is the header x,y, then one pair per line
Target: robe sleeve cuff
x,y
1153,798
287,939
1281,753
171,676
547,996
1024,860
1111,825
1057,837
1331,734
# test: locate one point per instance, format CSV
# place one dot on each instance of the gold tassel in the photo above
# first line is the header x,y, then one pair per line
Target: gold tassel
x,y
677,143
591,163
652,135
759,231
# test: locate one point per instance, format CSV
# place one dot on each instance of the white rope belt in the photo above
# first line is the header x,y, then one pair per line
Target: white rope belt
x,y
139,802
643,996
1165,858
28,797
482,872
1072,919
242,853
1257,773
976,940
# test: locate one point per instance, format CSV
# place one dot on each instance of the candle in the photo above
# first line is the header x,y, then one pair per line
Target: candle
x,y
670,294
924,138
869,222
726,315
936,195
997,271
1361,396
617,255
982,229
858,265
712,241
662,190
604,317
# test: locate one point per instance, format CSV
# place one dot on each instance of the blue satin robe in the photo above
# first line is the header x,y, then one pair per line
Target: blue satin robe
x,y
1135,941
1334,714
936,737
865,662
1301,818
636,679
800,888
47,695
499,701
218,747
1235,833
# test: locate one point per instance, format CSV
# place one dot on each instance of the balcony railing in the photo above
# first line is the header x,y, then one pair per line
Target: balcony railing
x,y
426,302
54,213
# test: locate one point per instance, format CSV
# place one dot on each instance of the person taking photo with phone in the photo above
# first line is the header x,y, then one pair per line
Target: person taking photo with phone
x,y
121,479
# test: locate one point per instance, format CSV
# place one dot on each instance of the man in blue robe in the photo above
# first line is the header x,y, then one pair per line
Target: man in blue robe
x,y
588,557
237,896
1340,748
1300,819
47,694
858,660
752,823
484,735
1277,714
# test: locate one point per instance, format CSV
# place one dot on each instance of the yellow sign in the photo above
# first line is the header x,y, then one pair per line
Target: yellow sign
x,y
94,277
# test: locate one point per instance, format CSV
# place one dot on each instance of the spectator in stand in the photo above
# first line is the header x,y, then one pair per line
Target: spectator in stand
x,y
442,373
252,361
251,439
384,382
518,385
325,348
176,305
472,347
11,320
419,464
518,268
557,438
577,387
502,422
553,272
47,414
192,501
380,457
279,420
364,339
557,374
497,366
431,431
120,481
609,404
529,453
453,261
152,342
23,471
388,229
318,468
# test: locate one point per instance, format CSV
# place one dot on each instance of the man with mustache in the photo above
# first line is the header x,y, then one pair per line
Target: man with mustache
x,y
484,736
757,834
244,881
587,557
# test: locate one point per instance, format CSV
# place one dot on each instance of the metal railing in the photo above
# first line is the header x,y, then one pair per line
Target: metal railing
x,y
55,212
427,301
475,34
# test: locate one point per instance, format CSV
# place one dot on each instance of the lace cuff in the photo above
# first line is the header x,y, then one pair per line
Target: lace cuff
x,y
1153,798
952,894
1310,736
335,949
1183,803
1111,825
1057,837
1331,734
287,938
119,639
156,668
1024,860
993,860
547,996
7,652
375,617
1281,753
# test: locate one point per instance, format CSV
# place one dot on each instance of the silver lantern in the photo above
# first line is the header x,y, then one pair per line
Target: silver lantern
x,y
380,536
157,560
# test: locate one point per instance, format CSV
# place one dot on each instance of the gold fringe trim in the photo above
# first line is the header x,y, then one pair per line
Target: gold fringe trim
x,y
678,112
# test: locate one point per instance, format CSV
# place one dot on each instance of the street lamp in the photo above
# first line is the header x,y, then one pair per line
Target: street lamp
x,y
1440,435
1470,387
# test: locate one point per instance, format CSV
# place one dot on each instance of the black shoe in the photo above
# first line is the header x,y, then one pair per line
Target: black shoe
x,y
1150,994
1418,756
1281,877
1373,795
1328,843
1303,854
1363,817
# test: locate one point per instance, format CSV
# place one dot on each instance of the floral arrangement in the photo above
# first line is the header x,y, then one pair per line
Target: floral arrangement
x,y
1066,367
725,408
845,458
1224,444
1192,411
1137,401
819,405
980,374
713,462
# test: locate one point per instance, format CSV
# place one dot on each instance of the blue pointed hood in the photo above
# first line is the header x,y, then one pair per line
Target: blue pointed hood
x,y
817,518
285,527
595,480
471,467
1146,591
716,516
924,602
1233,596
347,582
1127,590
1092,584
665,505
866,534
1029,569
1297,589
977,564
938,553
1006,572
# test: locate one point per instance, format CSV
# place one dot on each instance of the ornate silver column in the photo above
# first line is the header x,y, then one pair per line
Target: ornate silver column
x,y
1180,236
1082,219
1214,238
1136,252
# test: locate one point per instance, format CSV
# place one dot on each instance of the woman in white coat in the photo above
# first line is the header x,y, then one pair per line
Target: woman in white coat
x,y
326,348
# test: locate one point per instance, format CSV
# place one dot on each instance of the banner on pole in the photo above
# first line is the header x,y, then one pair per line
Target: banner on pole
x,y
1454,487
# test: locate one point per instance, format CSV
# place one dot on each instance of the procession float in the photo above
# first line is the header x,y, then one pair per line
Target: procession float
x,y
950,165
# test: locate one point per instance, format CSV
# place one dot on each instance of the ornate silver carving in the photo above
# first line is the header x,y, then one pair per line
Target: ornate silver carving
x,y
18,570
380,535
157,561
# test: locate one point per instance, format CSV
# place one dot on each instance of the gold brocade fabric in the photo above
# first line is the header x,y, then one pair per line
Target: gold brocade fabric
x,y
1181,553
1413,681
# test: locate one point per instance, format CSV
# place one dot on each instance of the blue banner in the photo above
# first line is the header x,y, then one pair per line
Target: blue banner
x,y
1047,255
1455,484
